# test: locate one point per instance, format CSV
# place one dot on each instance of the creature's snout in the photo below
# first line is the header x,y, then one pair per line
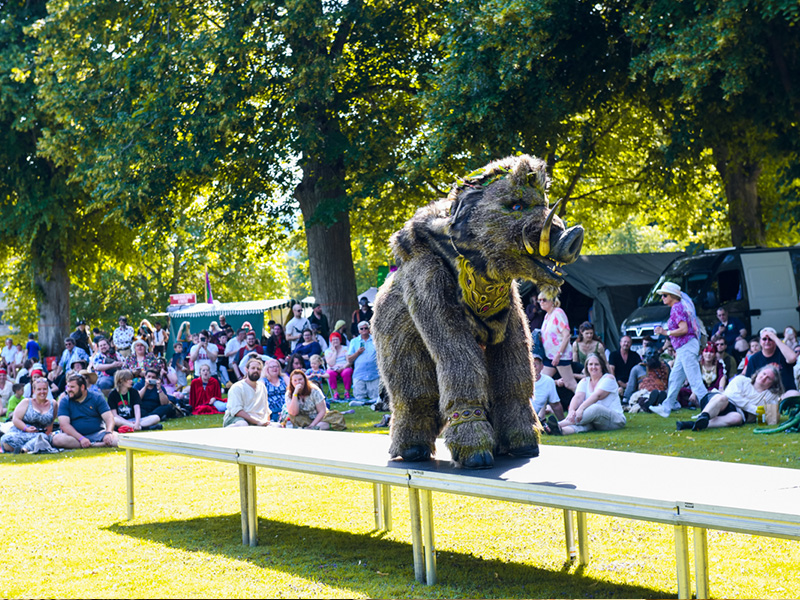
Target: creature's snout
x,y
567,244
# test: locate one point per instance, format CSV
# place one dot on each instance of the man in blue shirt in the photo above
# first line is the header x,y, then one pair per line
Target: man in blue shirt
x,y
84,417
361,355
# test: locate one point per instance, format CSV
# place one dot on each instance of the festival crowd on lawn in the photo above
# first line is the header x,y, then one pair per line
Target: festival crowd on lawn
x,y
289,376
102,383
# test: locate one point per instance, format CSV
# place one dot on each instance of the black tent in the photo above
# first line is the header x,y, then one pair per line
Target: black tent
x,y
605,289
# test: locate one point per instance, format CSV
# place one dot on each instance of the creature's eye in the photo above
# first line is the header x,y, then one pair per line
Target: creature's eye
x,y
516,206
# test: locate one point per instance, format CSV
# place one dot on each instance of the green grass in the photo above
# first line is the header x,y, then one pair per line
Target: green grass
x,y
65,533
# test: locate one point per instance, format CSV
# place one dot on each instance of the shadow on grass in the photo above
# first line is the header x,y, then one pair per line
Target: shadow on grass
x,y
373,565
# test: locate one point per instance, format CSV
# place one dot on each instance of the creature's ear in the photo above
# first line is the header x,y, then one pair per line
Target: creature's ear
x,y
462,207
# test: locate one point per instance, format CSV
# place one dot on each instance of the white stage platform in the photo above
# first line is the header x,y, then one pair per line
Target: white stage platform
x,y
680,492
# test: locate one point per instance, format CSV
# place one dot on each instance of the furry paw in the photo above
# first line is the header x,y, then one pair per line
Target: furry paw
x,y
527,451
471,444
416,454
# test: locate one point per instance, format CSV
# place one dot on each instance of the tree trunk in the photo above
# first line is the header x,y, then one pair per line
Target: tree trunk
x,y
740,178
333,278
52,283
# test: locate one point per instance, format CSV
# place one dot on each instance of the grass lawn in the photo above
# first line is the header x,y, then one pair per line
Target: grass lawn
x,y
65,534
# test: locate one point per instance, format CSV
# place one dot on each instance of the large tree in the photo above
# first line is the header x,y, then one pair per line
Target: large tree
x,y
47,223
268,105
657,108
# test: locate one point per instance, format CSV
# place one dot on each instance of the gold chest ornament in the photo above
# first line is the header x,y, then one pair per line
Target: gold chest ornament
x,y
482,295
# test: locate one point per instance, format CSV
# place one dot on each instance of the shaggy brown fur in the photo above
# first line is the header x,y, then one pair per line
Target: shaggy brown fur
x,y
453,345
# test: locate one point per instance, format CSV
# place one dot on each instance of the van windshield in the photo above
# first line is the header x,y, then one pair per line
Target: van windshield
x,y
691,273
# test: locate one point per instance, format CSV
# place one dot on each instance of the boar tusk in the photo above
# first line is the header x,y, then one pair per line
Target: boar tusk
x,y
544,237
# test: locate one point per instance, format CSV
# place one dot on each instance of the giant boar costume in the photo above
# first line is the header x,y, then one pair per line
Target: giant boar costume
x,y
453,344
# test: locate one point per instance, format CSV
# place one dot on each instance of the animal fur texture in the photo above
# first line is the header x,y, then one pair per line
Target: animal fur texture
x,y
453,343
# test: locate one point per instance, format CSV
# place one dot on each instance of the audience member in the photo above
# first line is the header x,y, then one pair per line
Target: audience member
x,y
251,348
179,365
296,325
317,336
586,344
316,373
105,364
232,348
33,347
729,327
555,340
123,337
545,394
318,318
774,352
38,373
70,354
341,329
81,337
184,336
361,355
278,347
85,418
145,333
19,359
682,332
338,366
754,346
160,339
6,389
534,313
126,405
722,353
295,361
13,401
247,399
712,370
204,353
276,382
790,339
595,405
622,361
740,400
361,314
307,347
31,417
648,381
140,360
305,404
9,355
205,394
154,398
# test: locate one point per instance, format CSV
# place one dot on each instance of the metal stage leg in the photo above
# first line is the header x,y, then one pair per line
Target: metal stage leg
x,y
252,505
583,539
243,504
700,537
129,481
426,512
378,506
569,534
682,560
386,496
416,535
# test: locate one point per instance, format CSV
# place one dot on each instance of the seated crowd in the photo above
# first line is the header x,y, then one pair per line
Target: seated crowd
x,y
580,385
123,382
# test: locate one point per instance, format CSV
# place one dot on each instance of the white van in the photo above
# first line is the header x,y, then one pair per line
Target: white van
x,y
757,285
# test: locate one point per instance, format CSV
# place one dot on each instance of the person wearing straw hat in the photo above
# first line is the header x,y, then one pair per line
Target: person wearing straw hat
x,y
682,332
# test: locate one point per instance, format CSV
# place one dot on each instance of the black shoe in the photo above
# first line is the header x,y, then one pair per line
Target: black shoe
x,y
552,427
701,422
681,425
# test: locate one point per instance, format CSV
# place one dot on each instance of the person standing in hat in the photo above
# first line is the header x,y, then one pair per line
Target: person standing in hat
x,y
362,313
123,337
81,337
682,332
